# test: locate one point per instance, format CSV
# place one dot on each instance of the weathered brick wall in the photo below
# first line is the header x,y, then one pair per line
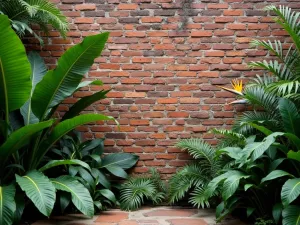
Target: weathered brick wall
x,y
163,60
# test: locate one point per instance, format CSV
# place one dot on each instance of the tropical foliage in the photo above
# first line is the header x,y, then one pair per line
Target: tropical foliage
x,y
261,176
29,97
25,13
104,168
138,189
195,176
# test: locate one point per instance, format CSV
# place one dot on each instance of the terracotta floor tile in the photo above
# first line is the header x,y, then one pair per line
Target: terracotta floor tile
x,y
172,213
112,217
187,222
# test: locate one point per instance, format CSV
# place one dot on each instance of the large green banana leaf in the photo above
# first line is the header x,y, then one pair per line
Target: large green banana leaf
x,y
7,204
15,82
84,103
291,215
290,191
81,197
39,189
65,78
21,137
62,129
38,70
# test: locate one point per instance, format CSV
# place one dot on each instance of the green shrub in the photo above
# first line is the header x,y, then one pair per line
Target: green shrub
x,y
29,96
104,168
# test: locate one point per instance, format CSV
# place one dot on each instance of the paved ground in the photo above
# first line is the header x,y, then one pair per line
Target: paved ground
x,y
145,216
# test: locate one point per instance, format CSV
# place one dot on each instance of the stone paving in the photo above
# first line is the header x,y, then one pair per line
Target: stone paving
x,y
145,216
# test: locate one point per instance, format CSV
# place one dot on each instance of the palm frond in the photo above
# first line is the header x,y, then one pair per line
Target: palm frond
x,y
259,97
278,69
136,190
231,138
285,88
192,175
289,20
271,121
199,199
24,13
262,81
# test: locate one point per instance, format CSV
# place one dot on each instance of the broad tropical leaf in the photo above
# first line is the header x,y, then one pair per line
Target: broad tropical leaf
x,y
21,137
7,204
63,128
87,83
61,82
231,184
81,197
276,212
294,155
107,194
39,190
291,215
290,191
38,70
275,174
97,174
54,163
117,171
290,116
84,103
123,160
15,82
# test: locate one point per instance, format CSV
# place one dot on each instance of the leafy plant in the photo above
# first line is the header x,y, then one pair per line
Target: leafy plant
x,y
263,180
195,176
24,13
28,100
104,168
137,189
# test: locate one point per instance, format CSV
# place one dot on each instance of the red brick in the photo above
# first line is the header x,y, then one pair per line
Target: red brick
x,y
152,19
85,7
127,6
201,34
84,20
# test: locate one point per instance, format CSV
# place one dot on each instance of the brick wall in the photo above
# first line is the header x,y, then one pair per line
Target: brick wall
x,y
163,60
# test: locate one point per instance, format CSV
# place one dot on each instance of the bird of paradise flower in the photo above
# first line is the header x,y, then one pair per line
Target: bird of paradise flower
x,y
237,88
